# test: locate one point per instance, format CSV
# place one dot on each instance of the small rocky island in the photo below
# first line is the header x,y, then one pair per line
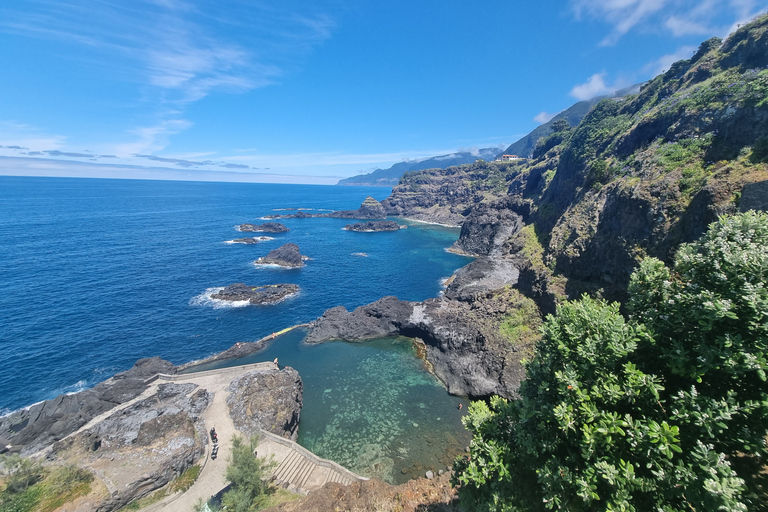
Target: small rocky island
x,y
251,240
374,226
287,255
369,209
267,227
267,294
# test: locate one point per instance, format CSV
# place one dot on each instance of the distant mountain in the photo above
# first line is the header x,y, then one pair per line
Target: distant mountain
x,y
573,114
389,177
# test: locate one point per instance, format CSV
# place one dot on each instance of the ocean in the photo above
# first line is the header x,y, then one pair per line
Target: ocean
x,y
98,273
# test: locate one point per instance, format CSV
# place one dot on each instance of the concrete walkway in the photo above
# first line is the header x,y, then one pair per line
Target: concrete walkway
x,y
298,469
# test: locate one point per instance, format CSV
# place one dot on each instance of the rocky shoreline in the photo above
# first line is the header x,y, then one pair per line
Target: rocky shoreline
x,y
136,433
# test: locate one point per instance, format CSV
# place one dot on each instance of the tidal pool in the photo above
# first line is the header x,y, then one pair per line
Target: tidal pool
x,y
371,406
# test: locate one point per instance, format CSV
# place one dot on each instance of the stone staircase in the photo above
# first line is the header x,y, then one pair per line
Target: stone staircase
x,y
298,469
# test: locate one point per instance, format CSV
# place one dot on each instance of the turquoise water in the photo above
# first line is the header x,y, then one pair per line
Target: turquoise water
x,y
96,274
370,406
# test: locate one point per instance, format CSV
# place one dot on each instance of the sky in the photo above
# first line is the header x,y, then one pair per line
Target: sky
x,y
311,91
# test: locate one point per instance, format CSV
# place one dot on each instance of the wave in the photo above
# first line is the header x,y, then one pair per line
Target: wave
x,y
361,254
205,299
77,387
259,238
274,265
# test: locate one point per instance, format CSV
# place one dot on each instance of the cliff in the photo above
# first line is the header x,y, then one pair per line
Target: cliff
x,y
638,176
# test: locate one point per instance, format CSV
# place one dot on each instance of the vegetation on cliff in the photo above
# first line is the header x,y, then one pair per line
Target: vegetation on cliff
x,y
28,486
638,176
664,410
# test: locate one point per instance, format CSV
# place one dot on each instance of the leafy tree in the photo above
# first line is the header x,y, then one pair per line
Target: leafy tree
x,y
247,473
639,414
560,125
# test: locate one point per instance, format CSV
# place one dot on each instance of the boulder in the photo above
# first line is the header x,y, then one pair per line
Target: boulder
x,y
269,400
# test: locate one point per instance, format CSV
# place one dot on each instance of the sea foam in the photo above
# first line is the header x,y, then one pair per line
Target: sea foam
x,y
205,299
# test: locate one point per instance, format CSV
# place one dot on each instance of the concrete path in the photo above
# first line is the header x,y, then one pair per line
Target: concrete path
x,y
211,479
298,469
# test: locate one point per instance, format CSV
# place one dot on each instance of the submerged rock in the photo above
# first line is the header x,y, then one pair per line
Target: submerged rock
x,y
373,226
267,227
287,255
269,400
266,294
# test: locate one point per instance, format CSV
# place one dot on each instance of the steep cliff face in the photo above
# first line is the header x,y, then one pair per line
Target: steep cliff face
x,y
446,196
638,176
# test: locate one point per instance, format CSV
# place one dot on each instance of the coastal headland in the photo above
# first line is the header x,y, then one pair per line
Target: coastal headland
x,y
637,177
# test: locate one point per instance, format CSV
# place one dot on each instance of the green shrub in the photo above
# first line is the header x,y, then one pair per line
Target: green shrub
x,y
645,413
247,474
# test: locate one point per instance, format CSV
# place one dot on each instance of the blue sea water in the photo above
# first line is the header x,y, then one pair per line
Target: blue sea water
x,y
98,273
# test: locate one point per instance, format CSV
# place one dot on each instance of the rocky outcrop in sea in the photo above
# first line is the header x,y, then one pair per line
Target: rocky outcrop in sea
x,y
251,240
265,294
267,227
374,226
287,255
369,209
463,344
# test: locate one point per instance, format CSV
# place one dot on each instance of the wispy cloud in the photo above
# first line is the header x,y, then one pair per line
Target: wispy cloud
x,y
664,62
596,86
675,17
543,117
177,52
149,139
20,136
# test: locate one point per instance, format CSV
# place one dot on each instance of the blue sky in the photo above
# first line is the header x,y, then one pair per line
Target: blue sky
x,y
313,91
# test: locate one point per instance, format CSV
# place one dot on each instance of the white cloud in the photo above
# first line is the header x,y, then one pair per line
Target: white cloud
x,y
28,137
596,86
150,139
683,27
543,117
664,62
676,17
623,15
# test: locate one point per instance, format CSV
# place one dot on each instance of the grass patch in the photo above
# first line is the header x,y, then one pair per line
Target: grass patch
x,y
521,326
186,479
32,488
531,247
